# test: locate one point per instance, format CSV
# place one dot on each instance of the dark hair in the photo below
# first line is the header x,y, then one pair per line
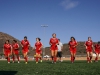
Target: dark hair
x,y
53,34
59,39
38,39
25,37
15,41
72,37
6,41
98,42
89,37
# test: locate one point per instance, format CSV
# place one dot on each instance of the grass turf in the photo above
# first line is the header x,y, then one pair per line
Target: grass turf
x,y
47,68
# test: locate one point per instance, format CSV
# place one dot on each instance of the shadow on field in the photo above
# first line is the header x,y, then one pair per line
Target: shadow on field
x,y
8,72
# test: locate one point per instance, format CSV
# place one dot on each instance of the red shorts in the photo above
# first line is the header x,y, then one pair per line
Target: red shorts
x,y
73,50
8,52
54,47
16,52
39,51
25,50
89,51
97,51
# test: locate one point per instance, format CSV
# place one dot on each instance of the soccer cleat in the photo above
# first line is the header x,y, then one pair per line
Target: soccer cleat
x,y
18,62
36,62
88,62
41,61
8,62
54,62
91,61
13,62
25,62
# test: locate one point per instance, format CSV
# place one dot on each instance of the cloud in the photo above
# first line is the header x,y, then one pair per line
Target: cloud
x,y
69,4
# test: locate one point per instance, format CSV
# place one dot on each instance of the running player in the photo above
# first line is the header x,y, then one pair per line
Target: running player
x,y
25,48
7,50
60,48
97,51
72,46
54,49
15,47
89,48
38,47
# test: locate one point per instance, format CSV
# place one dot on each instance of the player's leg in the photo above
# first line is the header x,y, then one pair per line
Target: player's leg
x,y
60,56
37,57
25,57
91,55
88,59
74,54
55,56
97,55
71,56
13,57
52,55
9,57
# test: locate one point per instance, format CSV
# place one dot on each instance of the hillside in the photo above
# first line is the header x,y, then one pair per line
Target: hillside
x,y
80,49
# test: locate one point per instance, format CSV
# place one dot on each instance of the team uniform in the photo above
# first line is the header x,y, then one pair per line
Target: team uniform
x,y
59,54
97,51
15,48
38,46
25,45
89,45
25,48
54,42
97,48
72,45
7,51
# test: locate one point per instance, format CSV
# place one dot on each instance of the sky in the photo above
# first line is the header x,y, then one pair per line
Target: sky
x,y
66,18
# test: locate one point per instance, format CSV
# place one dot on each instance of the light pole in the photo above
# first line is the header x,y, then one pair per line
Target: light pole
x,y
44,26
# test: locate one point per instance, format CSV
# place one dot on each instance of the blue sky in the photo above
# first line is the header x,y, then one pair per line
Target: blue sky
x,y
66,18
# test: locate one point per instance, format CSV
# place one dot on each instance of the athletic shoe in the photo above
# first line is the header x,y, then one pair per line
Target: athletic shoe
x,y
8,62
36,62
18,62
88,62
91,61
41,61
25,62
13,62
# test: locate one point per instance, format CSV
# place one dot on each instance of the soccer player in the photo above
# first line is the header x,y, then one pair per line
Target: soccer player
x,y
54,49
72,46
89,48
7,50
15,47
60,48
97,51
25,48
38,47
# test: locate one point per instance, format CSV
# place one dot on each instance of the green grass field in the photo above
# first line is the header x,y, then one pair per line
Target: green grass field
x,y
47,68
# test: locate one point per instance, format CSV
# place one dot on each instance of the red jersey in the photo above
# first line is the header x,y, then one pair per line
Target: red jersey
x,y
89,45
15,46
25,44
72,44
7,47
38,45
97,47
54,41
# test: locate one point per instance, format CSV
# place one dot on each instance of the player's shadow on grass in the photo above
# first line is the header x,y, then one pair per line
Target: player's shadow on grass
x,y
8,72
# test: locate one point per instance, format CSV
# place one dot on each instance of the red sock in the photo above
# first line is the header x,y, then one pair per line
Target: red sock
x,y
55,58
96,59
71,58
18,58
25,59
40,58
8,59
36,59
51,57
88,59
13,58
